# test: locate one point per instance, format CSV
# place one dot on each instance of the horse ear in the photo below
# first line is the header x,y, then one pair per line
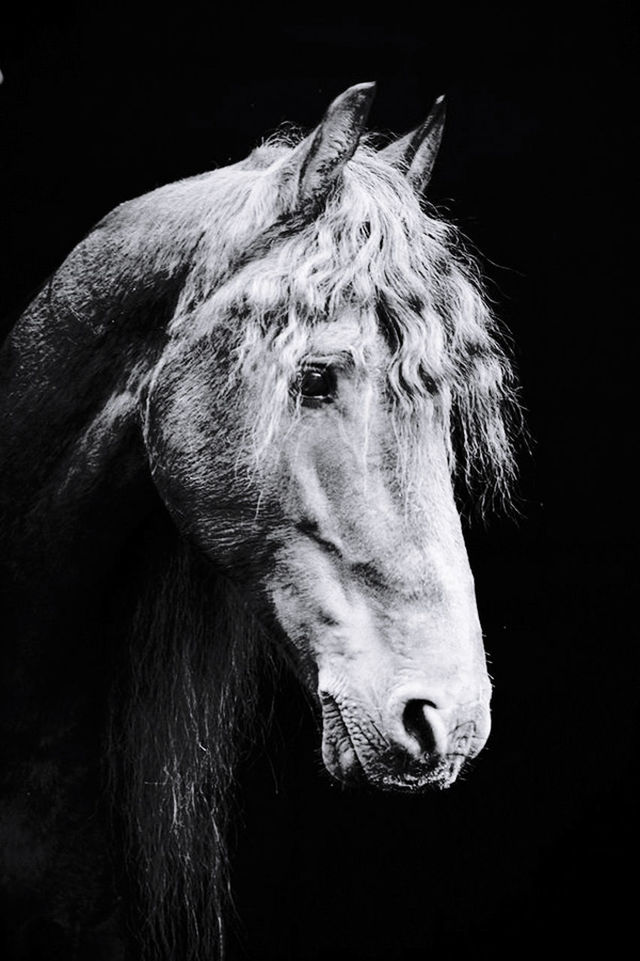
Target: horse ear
x,y
415,153
318,160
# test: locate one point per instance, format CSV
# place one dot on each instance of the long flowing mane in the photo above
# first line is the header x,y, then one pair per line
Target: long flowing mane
x,y
183,705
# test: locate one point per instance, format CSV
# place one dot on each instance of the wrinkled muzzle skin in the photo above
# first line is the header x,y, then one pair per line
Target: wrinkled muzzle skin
x,y
364,570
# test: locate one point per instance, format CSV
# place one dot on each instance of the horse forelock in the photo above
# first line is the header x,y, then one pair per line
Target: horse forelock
x,y
374,249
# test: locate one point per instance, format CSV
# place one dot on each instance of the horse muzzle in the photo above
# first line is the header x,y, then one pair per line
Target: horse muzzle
x,y
419,742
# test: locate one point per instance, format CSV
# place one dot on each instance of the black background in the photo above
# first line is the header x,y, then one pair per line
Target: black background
x,y
533,849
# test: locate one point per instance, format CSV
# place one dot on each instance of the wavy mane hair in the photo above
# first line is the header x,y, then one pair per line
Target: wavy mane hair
x,y
254,293
373,247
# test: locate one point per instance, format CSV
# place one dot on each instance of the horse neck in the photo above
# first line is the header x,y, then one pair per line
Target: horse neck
x,y
76,364
69,436
77,483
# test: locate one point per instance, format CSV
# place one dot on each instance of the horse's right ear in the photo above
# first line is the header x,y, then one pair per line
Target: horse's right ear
x,y
415,153
317,162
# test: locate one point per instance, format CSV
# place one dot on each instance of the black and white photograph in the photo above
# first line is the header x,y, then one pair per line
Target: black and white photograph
x,y
317,483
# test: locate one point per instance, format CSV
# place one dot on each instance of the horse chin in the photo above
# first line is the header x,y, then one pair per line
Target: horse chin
x,y
354,768
436,777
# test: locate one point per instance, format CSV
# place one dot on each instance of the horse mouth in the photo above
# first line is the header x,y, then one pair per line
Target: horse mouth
x,y
358,760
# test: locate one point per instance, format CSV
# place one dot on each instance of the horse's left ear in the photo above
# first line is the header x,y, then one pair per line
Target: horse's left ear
x,y
415,153
317,162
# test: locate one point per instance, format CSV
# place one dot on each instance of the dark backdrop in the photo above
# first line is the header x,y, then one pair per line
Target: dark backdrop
x,y
533,848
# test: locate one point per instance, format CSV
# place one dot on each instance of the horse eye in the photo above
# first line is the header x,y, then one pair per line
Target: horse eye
x,y
316,384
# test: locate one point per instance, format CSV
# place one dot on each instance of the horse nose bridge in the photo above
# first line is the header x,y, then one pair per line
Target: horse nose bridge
x,y
429,579
437,564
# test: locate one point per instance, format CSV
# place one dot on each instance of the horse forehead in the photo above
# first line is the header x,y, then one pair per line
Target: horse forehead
x,y
347,330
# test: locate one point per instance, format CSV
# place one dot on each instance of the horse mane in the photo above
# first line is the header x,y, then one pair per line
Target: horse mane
x,y
185,696
372,246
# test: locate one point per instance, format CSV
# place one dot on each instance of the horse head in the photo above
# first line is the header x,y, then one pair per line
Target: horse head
x,y
332,363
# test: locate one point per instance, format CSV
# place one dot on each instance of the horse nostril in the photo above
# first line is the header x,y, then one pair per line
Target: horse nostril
x,y
423,723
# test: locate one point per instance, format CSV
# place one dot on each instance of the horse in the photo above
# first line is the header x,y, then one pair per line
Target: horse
x,y
237,424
